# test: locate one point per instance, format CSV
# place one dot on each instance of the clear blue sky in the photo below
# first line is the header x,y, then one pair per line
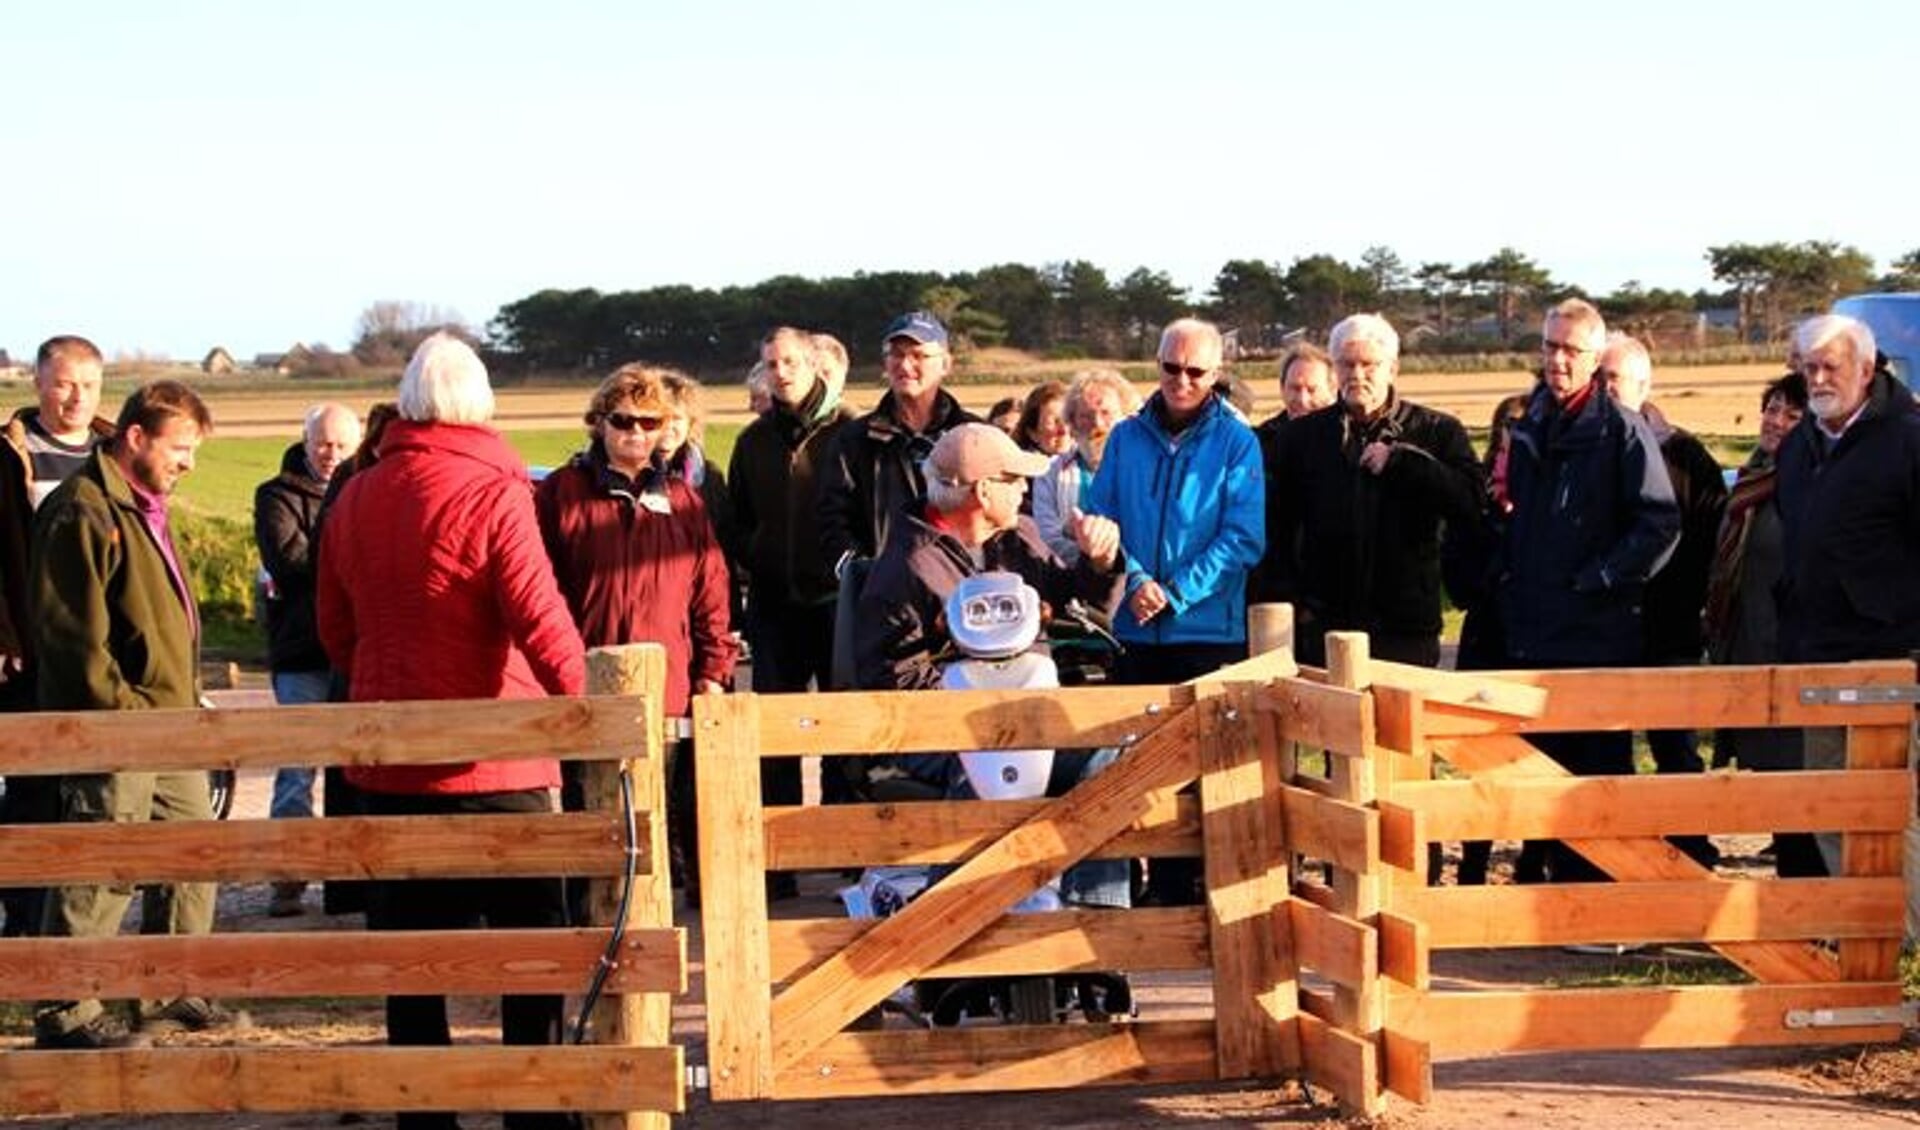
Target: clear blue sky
x,y
187,174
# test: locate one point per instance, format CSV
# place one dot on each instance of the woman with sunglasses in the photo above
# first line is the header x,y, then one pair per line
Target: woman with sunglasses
x,y
637,561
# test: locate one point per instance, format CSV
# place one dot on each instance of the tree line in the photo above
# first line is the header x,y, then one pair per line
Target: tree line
x,y
1076,309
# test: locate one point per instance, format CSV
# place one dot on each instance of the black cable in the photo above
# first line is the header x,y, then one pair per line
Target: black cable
x,y
609,958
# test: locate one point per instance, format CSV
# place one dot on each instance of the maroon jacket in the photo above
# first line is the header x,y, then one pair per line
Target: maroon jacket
x,y
432,585
640,562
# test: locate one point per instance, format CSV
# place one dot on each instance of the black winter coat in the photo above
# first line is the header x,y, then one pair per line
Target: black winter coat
x,y
1358,551
775,467
872,474
1851,516
286,517
1677,594
1593,518
900,630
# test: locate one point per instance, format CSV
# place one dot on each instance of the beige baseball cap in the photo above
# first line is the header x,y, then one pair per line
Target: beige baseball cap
x,y
973,453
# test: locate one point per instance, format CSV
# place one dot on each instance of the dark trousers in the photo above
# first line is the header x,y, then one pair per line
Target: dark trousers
x,y
1595,754
465,904
28,800
1173,882
792,647
1677,751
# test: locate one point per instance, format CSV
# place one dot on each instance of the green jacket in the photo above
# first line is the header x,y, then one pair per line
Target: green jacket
x,y
110,631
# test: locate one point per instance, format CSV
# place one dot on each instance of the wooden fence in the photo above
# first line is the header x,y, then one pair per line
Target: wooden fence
x,y
1318,972
630,1075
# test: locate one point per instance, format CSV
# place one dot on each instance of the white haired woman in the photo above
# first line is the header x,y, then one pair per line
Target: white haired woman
x,y
1096,401
433,585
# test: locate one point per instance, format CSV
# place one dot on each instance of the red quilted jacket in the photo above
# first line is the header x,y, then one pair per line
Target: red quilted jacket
x,y
433,585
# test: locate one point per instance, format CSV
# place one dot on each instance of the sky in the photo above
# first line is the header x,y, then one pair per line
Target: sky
x,y
185,175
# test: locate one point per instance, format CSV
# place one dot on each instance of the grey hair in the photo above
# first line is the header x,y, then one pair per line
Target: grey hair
x,y
446,381
1110,379
1364,327
1580,312
318,414
1818,331
1191,327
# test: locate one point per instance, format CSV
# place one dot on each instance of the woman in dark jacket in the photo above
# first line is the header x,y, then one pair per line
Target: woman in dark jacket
x,y
637,560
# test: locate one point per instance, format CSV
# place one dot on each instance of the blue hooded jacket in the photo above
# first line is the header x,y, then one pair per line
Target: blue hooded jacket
x,y
1192,515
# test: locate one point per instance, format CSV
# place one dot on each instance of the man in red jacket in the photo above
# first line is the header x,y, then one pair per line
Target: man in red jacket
x,y
433,585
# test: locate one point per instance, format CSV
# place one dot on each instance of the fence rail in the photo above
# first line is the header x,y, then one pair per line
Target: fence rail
x,y
630,1076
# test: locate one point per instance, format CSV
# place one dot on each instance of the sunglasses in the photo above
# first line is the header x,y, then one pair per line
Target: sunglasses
x,y
1191,372
621,422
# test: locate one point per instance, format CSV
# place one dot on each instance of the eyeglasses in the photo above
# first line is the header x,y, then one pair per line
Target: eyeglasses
x,y
621,422
1191,372
1550,348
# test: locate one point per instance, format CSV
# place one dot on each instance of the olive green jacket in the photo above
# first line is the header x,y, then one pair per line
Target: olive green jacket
x,y
110,631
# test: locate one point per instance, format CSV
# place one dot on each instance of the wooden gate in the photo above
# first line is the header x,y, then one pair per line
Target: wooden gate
x,y
781,995
1817,958
1313,807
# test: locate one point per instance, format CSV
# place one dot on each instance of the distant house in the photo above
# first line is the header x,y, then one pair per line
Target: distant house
x,y
218,362
292,361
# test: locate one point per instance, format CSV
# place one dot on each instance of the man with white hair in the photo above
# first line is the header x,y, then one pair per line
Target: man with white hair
x,y
1676,596
1183,479
1850,514
1593,519
1358,499
286,516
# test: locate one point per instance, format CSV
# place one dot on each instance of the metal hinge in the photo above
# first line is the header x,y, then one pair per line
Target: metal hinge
x,y
696,1076
1858,696
1907,1014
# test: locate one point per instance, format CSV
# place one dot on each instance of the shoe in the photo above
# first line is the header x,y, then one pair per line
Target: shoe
x,y
286,901
103,1031
195,1014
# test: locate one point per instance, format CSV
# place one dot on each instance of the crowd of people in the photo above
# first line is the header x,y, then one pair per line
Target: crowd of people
x,y
425,563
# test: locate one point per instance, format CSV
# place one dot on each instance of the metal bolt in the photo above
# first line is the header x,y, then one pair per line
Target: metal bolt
x,y
826,1069
1154,708
1129,738
808,723
1231,714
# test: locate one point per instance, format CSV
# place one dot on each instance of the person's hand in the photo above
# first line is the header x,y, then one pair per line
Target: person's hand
x,y
1373,458
1098,537
11,665
708,686
1147,601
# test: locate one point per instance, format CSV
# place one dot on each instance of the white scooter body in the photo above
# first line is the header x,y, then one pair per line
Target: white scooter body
x,y
1005,774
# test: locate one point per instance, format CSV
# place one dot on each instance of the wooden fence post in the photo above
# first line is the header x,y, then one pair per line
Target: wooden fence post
x,y
646,1019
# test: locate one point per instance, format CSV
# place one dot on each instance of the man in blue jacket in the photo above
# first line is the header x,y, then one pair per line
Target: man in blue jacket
x,y
1593,519
1183,479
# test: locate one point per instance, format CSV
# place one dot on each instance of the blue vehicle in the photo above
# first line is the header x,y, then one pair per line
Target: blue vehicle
x,y
1895,322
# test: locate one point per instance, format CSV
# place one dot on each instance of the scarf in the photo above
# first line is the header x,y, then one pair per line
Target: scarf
x,y
1752,489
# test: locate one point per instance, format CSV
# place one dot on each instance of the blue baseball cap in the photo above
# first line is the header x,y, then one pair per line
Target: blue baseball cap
x,y
920,326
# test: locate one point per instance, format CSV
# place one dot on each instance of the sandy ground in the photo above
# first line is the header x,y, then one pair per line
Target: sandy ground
x,y
1796,1089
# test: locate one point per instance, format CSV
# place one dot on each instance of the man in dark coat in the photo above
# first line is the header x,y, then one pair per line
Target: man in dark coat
x,y
1850,515
1594,518
286,519
872,472
1677,595
1358,493
116,627
791,588
39,447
